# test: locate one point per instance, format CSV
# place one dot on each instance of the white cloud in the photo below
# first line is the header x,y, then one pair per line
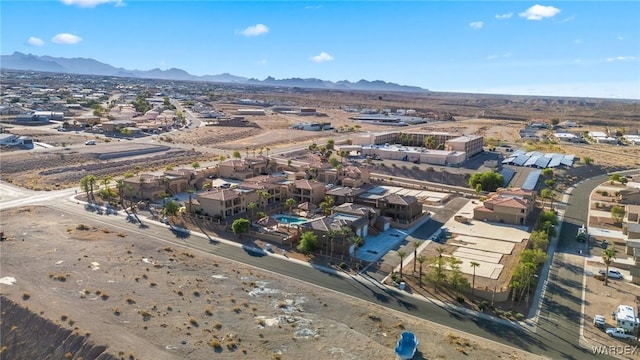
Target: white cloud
x,y
570,18
66,38
34,41
322,57
539,12
621,58
504,16
261,62
255,30
476,25
620,38
496,56
91,3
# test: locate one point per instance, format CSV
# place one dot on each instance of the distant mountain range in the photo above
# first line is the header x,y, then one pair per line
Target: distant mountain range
x,y
87,66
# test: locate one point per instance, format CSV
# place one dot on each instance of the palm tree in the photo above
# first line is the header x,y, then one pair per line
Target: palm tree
x,y
416,245
84,184
421,259
141,186
332,234
608,255
474,265
356,241
190,193
264,197
252,207
246,151
345,232
402,254
120,185
91,179
290,203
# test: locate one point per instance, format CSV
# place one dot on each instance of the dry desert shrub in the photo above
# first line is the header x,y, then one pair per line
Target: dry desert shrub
x,y
217,326
26,296
215,344
82,227
208,312
59,277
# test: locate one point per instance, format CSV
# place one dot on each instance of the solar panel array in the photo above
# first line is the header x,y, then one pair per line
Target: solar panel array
x,y
532,180
538,159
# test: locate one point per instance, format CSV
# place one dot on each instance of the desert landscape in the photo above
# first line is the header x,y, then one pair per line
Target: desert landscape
x,y
141,298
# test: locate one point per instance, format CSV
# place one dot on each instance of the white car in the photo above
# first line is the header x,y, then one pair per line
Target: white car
x,y
613,274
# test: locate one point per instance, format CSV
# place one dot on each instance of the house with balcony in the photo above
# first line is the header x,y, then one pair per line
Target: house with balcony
x,y
277,186
401,209
242,169
507,206
307,191
224,203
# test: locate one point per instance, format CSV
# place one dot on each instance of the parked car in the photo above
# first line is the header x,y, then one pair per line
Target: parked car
x,y
90,142
599,321
613,274
619,333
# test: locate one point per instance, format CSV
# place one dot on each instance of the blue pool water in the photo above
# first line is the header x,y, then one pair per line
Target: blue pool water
x,y
407,346
286,219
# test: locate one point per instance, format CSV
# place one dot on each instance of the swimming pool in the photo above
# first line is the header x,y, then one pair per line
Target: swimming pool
x,y
287,219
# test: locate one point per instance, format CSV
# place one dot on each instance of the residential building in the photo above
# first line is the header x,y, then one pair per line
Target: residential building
x,y
224,203
470,145
403,209
508,206
248,167
308,191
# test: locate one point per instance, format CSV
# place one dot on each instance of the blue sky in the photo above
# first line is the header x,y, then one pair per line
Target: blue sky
x,y
566,48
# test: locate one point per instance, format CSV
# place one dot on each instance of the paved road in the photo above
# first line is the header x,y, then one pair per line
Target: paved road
x,y
556,336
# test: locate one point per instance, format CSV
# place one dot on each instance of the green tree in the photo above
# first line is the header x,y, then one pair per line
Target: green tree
x,y
587,160
608,255
421,259
240,226
308,242
330,144
91,179
438,275
401,254
539,240
547,172
264,198
190,192
195,165
290,202
614,178
550,216
252,207
345,234
326,205
545,194
474,265
356,241
236,154
171,208
489,180
416,244
617,213
332,234
84,185
334,162
458,281
430,142
121,185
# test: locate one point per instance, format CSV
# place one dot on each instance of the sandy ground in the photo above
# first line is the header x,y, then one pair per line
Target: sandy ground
x,y
148,299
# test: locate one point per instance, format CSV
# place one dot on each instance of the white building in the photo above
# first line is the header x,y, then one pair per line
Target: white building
x,y
632,139
250,112
567,137
626,318
14,140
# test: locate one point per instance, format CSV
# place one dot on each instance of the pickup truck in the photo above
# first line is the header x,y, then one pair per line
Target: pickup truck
x,y
619,333
613,274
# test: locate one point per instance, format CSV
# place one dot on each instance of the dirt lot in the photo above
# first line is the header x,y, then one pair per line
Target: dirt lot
x,y
151,300
603,300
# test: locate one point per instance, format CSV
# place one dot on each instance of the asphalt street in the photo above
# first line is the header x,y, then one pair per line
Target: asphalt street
x,y
556,336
